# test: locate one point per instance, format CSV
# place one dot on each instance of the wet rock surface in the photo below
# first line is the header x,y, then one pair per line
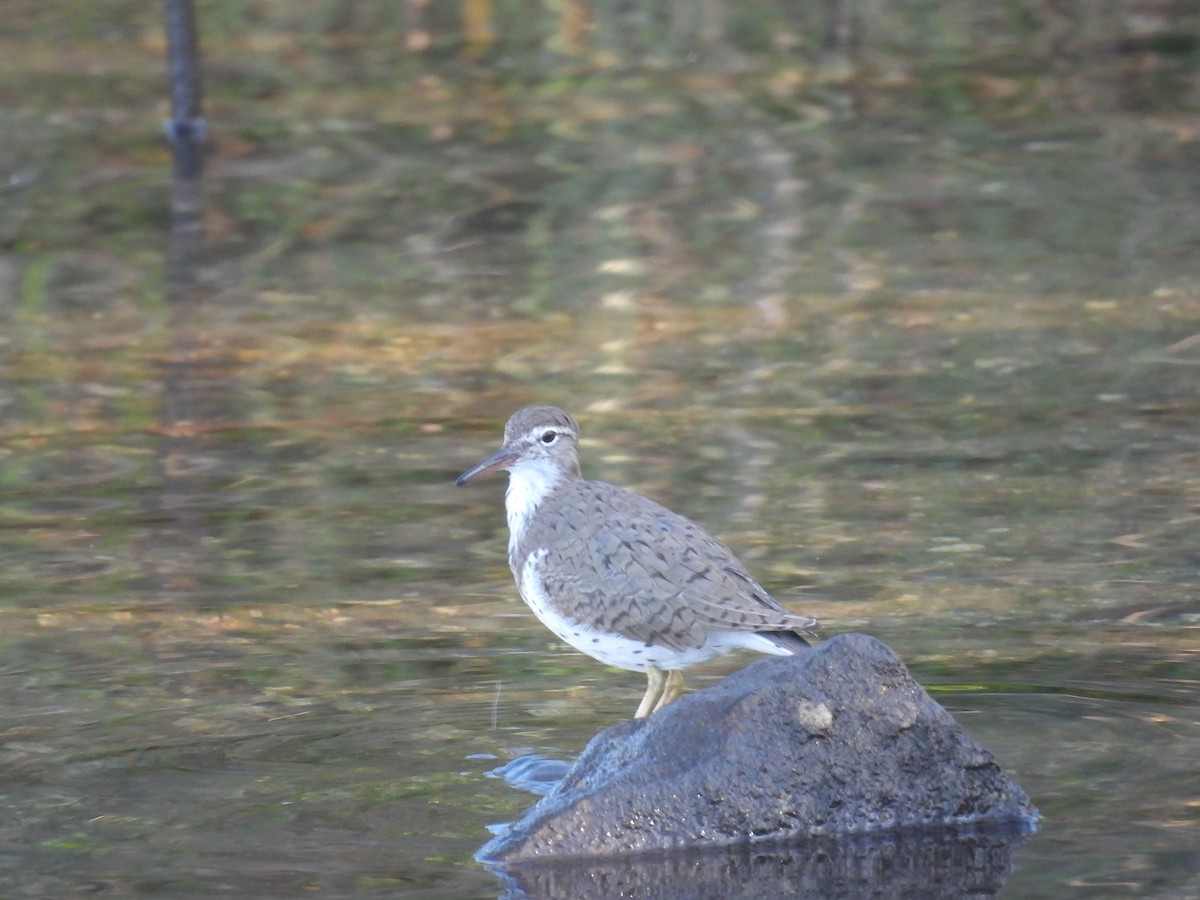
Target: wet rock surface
x,y
839,740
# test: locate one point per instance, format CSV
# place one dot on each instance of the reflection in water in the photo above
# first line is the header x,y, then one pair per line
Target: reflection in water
x,y
934,864
532,772
183,553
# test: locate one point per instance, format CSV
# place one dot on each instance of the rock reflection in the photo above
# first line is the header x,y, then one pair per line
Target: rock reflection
x,y
958,863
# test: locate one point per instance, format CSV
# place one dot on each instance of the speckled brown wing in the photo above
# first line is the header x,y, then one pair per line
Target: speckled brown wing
x,y
624,564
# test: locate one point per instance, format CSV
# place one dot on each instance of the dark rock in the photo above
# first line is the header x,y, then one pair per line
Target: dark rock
x,y
837,740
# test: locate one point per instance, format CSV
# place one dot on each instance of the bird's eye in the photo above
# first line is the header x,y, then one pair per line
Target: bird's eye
x,y
549,437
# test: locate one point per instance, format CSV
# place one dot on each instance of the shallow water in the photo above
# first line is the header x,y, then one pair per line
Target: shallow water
x,y
916,333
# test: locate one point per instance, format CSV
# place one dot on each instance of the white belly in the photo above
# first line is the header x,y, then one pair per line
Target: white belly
x,y
621,652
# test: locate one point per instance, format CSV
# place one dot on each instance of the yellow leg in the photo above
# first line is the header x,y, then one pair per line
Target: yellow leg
x,y
654,688
673,688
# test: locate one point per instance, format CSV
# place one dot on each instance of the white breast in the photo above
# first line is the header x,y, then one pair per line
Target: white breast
x,y
528,485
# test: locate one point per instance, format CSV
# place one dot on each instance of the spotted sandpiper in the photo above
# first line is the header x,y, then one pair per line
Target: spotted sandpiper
x,y
616,575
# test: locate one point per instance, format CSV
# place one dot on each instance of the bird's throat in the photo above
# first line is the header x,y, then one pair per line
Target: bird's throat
x,y
528,485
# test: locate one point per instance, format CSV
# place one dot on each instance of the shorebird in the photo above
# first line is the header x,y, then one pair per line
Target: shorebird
x,y
620,577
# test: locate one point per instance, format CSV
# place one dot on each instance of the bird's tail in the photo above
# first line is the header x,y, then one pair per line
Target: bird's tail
x,y
786,640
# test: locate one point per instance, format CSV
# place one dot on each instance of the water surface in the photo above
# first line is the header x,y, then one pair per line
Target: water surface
x,y
912,327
